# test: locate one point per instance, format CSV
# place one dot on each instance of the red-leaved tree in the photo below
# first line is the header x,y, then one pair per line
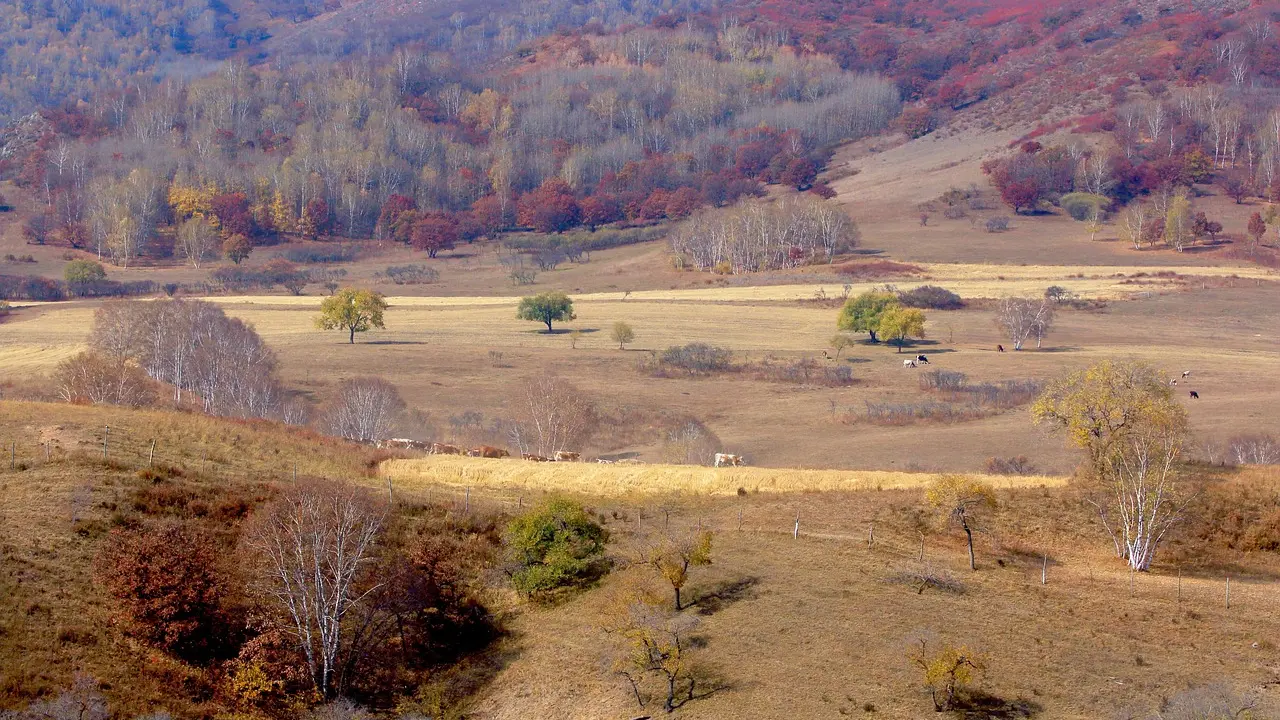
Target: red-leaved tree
x,y
550,208
434,232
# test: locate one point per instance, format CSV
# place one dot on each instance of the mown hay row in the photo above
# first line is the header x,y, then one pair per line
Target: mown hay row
x,y
629,480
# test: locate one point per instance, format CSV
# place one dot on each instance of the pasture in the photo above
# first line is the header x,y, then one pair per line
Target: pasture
x,y
451,356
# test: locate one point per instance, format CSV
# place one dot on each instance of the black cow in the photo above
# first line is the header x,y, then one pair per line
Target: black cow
x,y
1195,395
922,359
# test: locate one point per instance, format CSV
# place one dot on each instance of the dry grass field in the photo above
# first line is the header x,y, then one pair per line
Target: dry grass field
x,y
811,626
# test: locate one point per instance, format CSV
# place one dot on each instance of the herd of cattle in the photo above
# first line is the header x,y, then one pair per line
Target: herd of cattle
x,y
488,451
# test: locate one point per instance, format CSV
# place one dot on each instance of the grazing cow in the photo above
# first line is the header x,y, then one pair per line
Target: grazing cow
x,y
922,359
566,456
1186,374
488,451
1195,395
444,449
729,460
535,458
999,348
909,362
1174,381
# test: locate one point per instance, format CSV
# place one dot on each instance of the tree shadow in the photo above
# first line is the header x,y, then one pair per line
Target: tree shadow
x,y
1052,349
620,456
393,342
725,594
979,705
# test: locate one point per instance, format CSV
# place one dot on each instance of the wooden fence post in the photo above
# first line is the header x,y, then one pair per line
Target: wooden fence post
x,y
1228,592
1044,570
151,457
796,533
391,498
871,534
105,436
467,507
13,455
1179,585
739,521
922,546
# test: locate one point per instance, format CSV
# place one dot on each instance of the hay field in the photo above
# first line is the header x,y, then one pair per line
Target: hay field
x,y
600,480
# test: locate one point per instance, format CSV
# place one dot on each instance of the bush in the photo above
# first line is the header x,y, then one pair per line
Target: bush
x,y
83,271
998,223
169,586
697,358
555,545
30,287
1082,206
412,274
931,297
319,255
1018,465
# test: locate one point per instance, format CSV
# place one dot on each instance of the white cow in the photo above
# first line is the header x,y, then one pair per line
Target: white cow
x,y
909,363
729,460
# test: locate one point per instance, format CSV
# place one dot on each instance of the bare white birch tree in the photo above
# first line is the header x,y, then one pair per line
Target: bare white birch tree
x,y
555,415
364,409
313,542
1021,318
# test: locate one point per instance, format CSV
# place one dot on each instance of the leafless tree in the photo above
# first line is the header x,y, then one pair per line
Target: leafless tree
x,y
364,409
555,415
96,379
1023,317
313,543
197,241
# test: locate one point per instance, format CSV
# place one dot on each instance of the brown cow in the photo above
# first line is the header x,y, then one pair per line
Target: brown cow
x,y
534,458
566,456
488,451
729,460
444,449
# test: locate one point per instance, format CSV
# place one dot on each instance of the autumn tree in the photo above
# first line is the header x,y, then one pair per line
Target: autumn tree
x,y
948,670
389,215
864,312
673,555
197,241
551,208
962,501
897,324
1178,221
1257,229
622,334
1123,415
547,307
352,309
311,546
839,342
94,378
651,645
236,248
434,232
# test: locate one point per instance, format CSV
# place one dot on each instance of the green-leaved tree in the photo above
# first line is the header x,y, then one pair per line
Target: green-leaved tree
x,y
352,309
897,324
546,307
863,312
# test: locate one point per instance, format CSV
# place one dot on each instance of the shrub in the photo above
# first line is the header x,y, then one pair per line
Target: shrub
x,y
169,586
555,545
998,223
954,213
319,256
697,358
1083,206
948,671
4,310
30,287
931,297
1017,465
412,274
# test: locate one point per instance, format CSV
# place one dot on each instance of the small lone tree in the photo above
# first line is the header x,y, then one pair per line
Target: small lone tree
x,y
82,274
948,670
962,501
546,307
622,334
839,342
236,248
674,555
863,313
352,309
1257,228
899,323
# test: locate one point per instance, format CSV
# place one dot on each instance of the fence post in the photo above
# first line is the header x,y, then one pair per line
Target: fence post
x,y
467,508
871,534
1228,592
739,521
796,534
13,455
105,436
1179,585
391,498
1044,570
922,546
151,457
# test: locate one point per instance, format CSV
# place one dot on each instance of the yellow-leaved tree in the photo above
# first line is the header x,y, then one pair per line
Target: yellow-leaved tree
x,y
352,309
1123,414
962,501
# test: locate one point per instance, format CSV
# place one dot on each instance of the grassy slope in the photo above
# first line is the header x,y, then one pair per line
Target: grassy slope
x,y
53,621
806,628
